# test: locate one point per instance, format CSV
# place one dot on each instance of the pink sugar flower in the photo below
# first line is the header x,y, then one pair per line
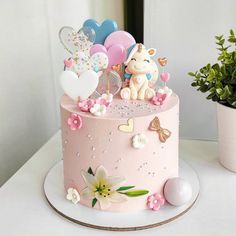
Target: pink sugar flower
x,y
86,105
74,121
102,101
155,201
158,99
105,99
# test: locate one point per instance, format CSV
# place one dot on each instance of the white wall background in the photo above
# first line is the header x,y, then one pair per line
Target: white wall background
x,y
184,31
30,63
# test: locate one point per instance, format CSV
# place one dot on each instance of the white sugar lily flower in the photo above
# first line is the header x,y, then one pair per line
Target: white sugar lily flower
x,y
165,90
108,97
73,195
98,110
103,187
139,141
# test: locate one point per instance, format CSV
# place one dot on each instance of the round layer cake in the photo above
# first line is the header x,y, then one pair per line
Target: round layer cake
x,y
117,160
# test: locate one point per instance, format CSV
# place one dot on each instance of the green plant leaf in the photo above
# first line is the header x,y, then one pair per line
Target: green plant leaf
x,y
231,32
219,90
210,96
94,201
232,40
124,188
219,79
191,73
233,104
136,193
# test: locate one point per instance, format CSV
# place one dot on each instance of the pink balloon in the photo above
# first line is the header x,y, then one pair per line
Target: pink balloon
x,y
97,48
119,37
116,53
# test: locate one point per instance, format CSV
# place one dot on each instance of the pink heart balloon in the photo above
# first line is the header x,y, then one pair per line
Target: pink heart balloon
x,y
116,53
68,63
165,76
119,37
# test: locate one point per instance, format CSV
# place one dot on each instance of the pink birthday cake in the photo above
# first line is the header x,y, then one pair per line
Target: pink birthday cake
x,y
119,122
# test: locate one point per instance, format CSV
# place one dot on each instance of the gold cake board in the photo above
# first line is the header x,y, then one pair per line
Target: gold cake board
x,y
114,221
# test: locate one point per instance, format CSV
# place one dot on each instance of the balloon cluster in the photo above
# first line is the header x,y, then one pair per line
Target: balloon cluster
x,y
99,48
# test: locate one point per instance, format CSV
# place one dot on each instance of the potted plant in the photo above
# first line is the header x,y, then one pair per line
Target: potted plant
x,y
219,81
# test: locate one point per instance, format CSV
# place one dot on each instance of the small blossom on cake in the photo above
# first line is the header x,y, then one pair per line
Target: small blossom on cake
x,y
98,110
105,99
73,195
74,121
108,97
155,201
86,105
165,90
102,101
139,141
158,99
102,188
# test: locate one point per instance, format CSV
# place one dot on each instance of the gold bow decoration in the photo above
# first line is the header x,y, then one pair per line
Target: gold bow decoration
x,y
155,125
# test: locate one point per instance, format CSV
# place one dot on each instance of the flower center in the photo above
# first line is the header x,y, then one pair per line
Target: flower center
x,y
103,190
75,121
74,196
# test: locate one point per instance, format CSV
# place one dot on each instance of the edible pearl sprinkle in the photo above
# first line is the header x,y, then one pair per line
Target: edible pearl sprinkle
x,y
93,148
127,108
65,142
78,154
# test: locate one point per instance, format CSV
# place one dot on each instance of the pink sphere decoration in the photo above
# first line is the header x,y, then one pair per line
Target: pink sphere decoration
x,y
119,37
177,191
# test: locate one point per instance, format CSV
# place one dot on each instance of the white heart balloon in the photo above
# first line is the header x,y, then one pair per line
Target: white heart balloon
x,y
79,87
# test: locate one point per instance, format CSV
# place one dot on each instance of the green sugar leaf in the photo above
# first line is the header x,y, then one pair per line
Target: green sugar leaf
x,y
124,188
90,171
94,201
136,193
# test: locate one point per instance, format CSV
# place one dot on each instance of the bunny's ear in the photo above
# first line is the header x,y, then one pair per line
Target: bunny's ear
x,y
151,51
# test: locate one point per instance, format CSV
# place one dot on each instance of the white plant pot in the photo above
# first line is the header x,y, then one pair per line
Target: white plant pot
x,y
227,136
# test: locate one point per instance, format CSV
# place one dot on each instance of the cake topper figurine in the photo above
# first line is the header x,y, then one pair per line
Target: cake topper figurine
x,y
139,71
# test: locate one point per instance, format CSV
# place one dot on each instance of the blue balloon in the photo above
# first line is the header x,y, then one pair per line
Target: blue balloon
x,y
102,30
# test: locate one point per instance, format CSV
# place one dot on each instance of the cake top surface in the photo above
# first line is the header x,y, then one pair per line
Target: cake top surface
x,y
120,109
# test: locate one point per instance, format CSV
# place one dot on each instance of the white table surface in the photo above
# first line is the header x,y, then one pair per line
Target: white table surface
x,y
25,211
